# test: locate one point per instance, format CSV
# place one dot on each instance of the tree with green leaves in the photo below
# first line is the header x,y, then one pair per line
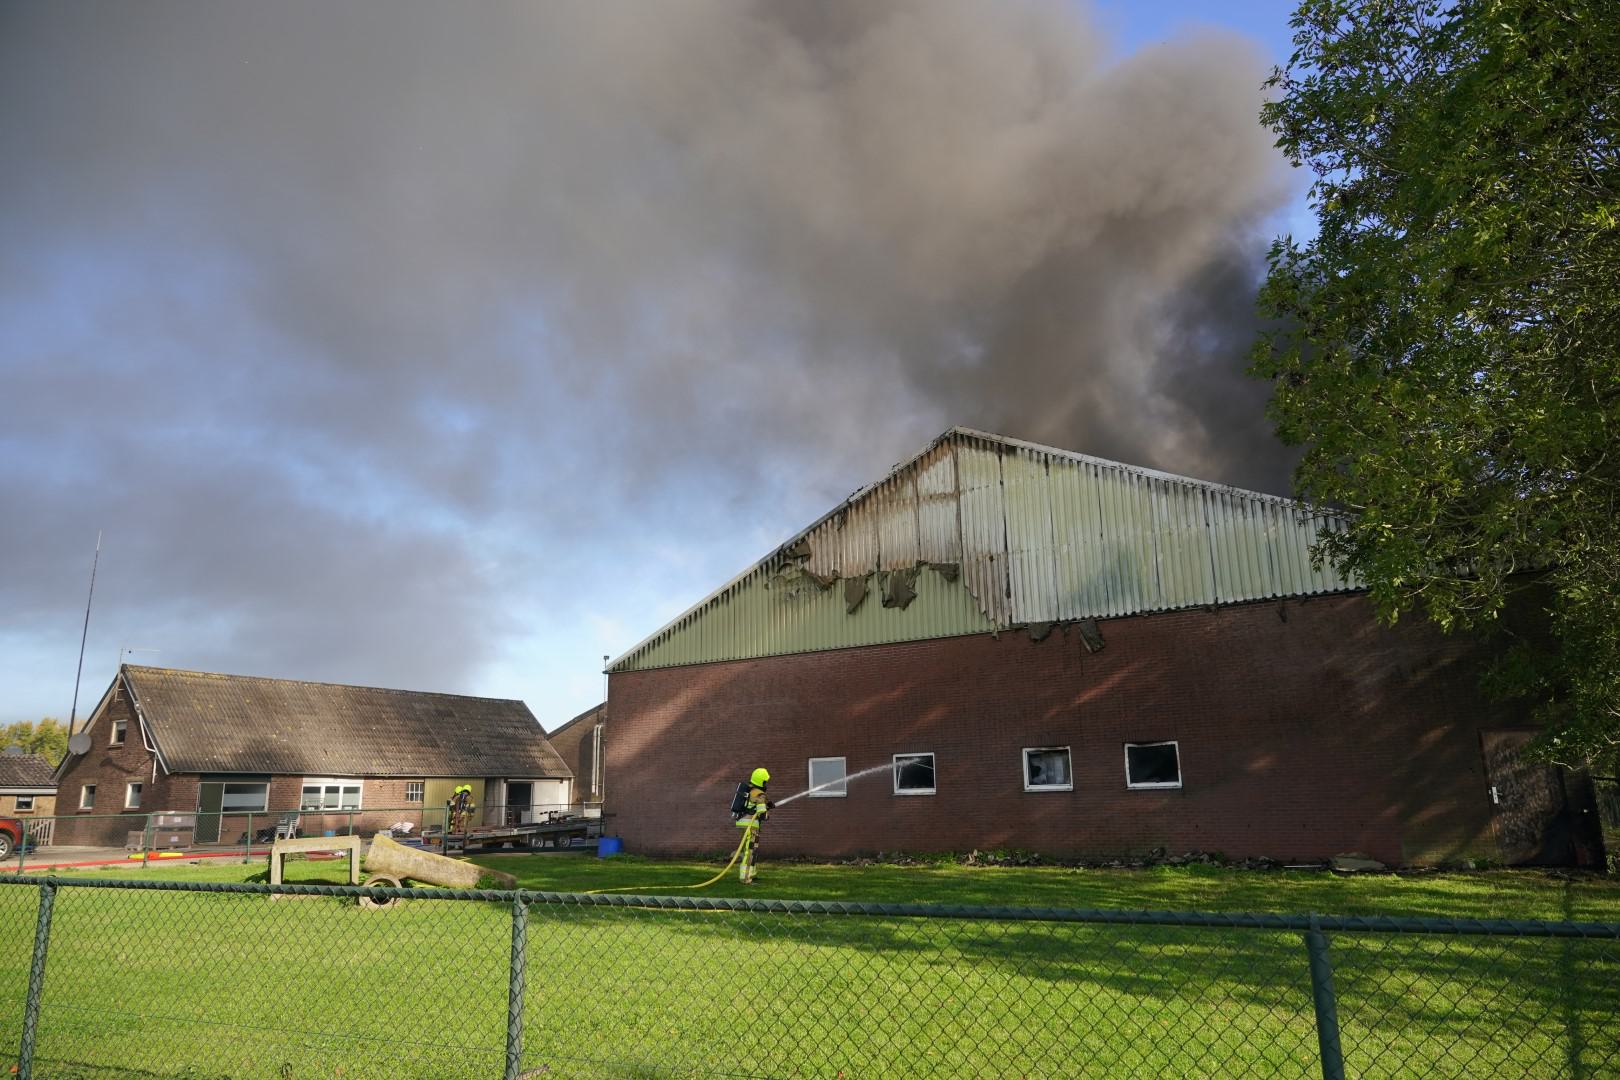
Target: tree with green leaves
x,y
49,738
1447,348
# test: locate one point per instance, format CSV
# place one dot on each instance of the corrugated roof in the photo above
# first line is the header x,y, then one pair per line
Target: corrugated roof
x,y
25,771
203,722
1032,533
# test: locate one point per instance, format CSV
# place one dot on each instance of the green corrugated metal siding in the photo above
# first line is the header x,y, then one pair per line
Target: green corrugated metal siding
x,y
1038,535
755,619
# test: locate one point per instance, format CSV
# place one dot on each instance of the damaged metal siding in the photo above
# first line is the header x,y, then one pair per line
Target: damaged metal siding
x,y
1005,533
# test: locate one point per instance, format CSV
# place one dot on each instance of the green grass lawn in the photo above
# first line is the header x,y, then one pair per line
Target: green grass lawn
x,y
204,985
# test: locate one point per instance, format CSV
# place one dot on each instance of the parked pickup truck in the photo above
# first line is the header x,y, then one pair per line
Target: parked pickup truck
x,y
11,836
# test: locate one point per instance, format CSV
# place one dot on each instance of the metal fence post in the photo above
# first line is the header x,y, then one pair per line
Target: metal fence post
x,y
1327,1005
22,846
247,840
146,843
515,983
36,980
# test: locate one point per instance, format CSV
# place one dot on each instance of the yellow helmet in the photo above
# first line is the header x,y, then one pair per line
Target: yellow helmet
x,y
760,778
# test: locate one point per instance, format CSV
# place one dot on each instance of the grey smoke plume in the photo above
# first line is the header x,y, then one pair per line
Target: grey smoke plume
x,y
338,296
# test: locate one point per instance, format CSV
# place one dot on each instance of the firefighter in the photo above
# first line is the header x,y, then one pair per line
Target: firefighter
x,y
750,808
459,808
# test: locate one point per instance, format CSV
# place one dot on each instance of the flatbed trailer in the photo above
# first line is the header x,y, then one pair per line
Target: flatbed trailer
x,y
558,832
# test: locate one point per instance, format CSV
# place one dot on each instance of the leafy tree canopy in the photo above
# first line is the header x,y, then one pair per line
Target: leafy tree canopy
x,y
49,737
1447,349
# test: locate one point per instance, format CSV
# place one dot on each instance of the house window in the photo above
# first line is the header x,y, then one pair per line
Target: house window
x,y
914,774
120,729
25,804
827,778
323,794
1047,768
415,790
244,798
1152,765
132,797
87,797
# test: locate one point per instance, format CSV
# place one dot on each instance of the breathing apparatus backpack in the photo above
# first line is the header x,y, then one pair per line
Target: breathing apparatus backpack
x,y
739,801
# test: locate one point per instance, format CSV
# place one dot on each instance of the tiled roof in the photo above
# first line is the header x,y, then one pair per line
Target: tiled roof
x,y
25,770
241,724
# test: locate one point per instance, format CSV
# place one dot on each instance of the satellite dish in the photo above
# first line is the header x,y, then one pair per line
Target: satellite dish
x,y
79,744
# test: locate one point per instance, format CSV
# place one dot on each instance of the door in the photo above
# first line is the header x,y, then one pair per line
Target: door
x,y
210,796
1529,809
519,802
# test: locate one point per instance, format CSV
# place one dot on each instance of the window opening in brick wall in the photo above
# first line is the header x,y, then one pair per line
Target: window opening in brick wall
x,y
244,798
415,790
87,797
25,804
132,797
914,774
120,731
1152,765
1048,768
828,771
325,794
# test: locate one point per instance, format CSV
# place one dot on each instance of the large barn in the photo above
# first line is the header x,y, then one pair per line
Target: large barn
x,y
1041,650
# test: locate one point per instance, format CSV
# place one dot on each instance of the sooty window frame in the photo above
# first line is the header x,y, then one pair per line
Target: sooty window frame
x,y
1152,785
933,767
1067,753
838,792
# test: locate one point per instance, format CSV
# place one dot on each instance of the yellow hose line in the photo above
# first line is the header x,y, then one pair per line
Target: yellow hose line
x,y
711,881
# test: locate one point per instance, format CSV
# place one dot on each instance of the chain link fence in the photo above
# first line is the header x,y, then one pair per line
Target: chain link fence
x,y
171,979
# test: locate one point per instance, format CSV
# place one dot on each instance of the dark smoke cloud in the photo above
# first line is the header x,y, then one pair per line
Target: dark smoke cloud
x,y
359,318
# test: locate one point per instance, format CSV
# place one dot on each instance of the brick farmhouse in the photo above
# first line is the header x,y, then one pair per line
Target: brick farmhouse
x,y
1046,651
225,747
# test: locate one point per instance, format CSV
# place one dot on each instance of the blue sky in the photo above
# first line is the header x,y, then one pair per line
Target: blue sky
x,y
452,351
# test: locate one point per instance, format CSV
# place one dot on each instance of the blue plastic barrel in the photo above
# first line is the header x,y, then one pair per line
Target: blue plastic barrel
x,y
609,845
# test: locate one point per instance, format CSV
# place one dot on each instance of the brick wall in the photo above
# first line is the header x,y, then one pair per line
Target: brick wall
x,y
111,769
1305,730
568,742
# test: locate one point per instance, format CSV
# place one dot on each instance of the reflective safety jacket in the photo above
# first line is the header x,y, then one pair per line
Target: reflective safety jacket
x,y
755,809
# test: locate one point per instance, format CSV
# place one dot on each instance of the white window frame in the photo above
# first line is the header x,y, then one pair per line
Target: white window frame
x,y
87,797
19,808
132,795
419,795
1162,786
326,782
261,807
895,773
120,733
1024,757
828,793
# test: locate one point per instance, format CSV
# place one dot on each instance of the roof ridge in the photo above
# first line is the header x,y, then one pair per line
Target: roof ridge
x,y
226,676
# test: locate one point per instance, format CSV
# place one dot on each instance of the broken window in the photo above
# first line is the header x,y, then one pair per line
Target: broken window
x,y
132,797
827,778
87,797
1152,765
244,798
119,730
1047,768
914,774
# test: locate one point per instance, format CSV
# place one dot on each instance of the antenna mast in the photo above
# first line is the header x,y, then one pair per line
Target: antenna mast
x,y
85,633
